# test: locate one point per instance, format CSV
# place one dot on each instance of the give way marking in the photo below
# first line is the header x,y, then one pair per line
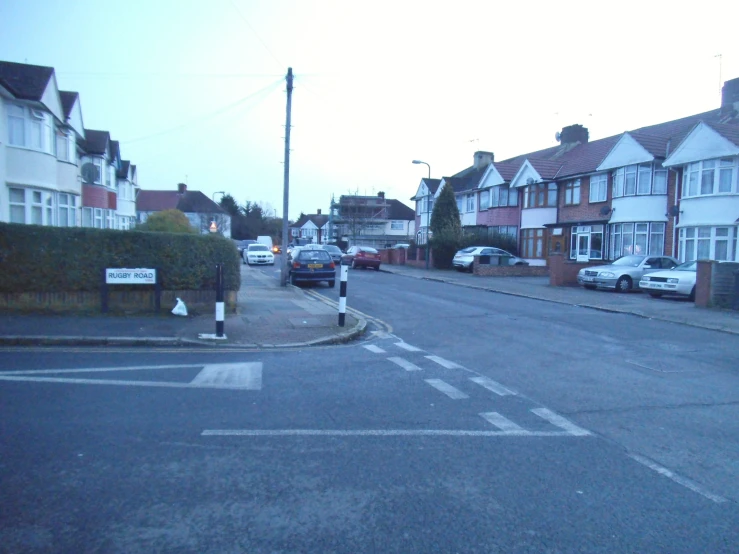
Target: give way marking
x,y
239,376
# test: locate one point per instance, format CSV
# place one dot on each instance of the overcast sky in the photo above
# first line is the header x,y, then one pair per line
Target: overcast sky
x,y
195,90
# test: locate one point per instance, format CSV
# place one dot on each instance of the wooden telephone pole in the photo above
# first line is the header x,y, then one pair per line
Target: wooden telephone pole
x,y
286,190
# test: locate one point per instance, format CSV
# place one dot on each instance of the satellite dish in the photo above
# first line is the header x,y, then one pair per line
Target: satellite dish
x,y
605,210
530,181
558,136
674,211
90,173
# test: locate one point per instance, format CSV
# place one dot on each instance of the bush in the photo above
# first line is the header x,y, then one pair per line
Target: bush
x,y
483,237
167,221
69,259
444,245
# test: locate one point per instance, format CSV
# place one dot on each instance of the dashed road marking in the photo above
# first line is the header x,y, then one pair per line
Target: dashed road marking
x,y
558,421
405,364
373,348
504,424
493,386
678,479
444,363
408,347
446,388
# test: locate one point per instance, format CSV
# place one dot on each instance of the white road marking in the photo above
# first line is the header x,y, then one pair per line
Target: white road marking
x,y
559,421
96,369
373,348
447,389
373,433
408,347
493,386
444,363
241,376
678,479
503,423
405,364
119,382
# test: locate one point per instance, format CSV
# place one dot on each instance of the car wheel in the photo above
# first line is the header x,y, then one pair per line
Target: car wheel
x,y
624,284
332,284
692,295
590,287
655,294
472,267
354,264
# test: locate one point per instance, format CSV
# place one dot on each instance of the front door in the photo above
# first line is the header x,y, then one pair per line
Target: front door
x,y
583,247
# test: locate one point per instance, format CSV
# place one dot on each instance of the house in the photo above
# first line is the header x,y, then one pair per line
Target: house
x,y
424,200
39,129
128,189
100,158
200,210
373,220
311,228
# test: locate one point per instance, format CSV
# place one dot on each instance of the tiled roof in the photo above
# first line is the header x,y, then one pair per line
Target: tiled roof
x,y
461,184
27,82
115,149
585,158
507,170
122,173
432,184
398,210
95,142
192,201
546,168
68,98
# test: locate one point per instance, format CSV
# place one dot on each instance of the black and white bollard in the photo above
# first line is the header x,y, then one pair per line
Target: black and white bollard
x,y
220,308
342,294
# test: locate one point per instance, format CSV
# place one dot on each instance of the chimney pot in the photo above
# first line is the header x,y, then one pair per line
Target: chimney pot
x,y
319,211
730,95
181,188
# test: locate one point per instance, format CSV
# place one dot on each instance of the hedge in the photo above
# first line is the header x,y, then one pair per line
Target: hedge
x,y
63,259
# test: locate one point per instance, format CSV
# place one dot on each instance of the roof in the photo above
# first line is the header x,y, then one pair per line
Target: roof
x,y
68,99
122,173
95,142
461,184
319,220
432,184
729,132
546,168
115,149
24,81
192,201
398,210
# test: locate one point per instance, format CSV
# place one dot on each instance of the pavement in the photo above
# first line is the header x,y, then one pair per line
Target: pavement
x,y
271,316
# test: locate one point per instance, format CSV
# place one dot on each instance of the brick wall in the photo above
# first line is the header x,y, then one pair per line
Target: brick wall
x,y
563,272
95,196
584,211
393,256
488,270
716,285
672,184
420,260
500,216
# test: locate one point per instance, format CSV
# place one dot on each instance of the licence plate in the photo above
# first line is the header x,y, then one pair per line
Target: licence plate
x,y
586,278
654,285
315,266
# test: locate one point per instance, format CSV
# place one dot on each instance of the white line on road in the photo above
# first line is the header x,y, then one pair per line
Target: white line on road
x,y
503,423
240,376
493,386
408,347
678,479
444,363
373,433
97,369
559,421
446,388
373,348
119,382
405,364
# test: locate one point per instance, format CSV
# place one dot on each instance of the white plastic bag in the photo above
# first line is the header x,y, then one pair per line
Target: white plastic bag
x,y
180,308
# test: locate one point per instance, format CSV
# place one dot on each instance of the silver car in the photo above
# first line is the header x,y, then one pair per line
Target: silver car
x,y
624,274
680,280
464,258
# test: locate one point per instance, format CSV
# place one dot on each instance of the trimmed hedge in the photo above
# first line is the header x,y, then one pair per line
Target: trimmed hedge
x,y
68,259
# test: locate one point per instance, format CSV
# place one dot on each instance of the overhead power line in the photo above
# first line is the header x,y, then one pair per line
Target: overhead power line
x,y
241,15
210,115
160,75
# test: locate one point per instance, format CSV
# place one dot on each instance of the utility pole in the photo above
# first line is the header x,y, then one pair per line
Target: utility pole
x,y
286,191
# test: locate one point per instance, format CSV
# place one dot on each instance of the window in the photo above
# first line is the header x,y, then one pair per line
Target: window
x,y
708,243
470,202
540,195
30,206
644,182
659,184
418,207
639,179
485,199
17,205
507,230
31,128
572,192
710,177
587,240
396,225
67,210
598,188
459,204
502,196
98,218
637,238
16,125
532,242
66,146
99,165
110,219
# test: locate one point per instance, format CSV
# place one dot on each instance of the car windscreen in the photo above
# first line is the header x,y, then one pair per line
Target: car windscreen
x,y
334,249
368,250
468,250
687,266
632,261
258,248
313,256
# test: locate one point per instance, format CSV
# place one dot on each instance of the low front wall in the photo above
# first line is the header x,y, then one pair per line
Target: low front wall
x,y
129,301
420,260
716,284
488,270
563,271
392,256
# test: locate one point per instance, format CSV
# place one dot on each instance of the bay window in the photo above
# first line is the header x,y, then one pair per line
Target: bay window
x,y
708,243
532,243
485,199
502,196
710,177
541,195
31,128
35,207
637,238
641,179
67,210
598,188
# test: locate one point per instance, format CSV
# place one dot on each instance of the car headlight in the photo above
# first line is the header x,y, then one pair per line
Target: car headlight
x,y
608,274
673,280
645,278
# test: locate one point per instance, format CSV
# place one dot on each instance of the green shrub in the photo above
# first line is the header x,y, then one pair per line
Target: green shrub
x,y
63,259
485,237
167,221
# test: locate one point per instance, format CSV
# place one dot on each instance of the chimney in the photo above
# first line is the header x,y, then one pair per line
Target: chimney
x,y
730,96
482,159
573,133
318,211
381,195
181,188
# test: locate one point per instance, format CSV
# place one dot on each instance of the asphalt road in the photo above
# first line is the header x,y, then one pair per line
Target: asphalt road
x,y
476,423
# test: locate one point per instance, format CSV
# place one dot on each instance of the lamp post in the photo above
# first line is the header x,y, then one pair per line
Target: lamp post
x,y
428,211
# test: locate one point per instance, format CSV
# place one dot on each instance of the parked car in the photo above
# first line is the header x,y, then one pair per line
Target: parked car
x,y
334,251
242,244
258,254
362,256
464,258
293,250
312,265
625,273
678,280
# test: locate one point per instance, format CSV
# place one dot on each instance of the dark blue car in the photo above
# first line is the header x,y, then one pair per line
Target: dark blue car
x,y
312,265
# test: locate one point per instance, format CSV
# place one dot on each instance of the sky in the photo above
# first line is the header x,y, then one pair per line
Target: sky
x,y
195,90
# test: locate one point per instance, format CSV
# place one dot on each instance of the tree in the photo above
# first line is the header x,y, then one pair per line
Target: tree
x,y
229,204
446,228
167,221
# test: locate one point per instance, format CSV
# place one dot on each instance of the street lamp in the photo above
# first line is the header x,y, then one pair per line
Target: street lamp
x,y
428,210
213,227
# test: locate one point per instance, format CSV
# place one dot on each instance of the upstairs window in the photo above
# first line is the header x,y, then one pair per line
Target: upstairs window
x,y
31,128
502,196
470,202
572,192
710,177
541,195
598,188
484,199
639,179
396,225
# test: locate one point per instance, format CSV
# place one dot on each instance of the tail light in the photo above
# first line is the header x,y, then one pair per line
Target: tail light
x,y
360,254
296,265
332,265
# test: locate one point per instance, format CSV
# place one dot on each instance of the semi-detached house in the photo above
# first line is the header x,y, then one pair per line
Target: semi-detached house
x,y
665,189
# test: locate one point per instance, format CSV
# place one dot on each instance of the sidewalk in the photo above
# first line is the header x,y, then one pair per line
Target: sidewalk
x,y
675,310
268,316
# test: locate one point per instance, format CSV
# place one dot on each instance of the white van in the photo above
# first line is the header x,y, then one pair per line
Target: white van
x,y
266,241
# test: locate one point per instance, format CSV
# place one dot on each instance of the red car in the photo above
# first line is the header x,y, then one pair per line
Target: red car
x,y
362,256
